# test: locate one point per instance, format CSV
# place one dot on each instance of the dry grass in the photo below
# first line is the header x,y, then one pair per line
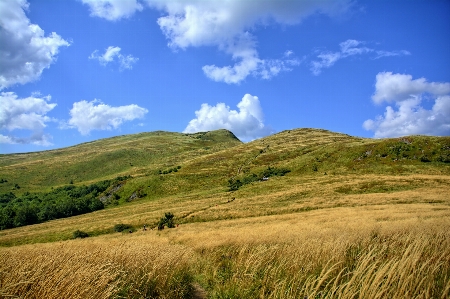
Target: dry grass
x,y
373,226
379,251
101,268
277,196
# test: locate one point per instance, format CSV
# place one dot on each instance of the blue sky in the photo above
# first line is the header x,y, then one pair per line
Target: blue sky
x,y
78,70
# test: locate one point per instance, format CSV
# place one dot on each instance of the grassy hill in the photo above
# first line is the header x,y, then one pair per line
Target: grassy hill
x,y
135,155
335,215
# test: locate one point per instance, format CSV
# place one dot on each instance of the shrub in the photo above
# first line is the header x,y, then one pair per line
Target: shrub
x,y
425,159
234,185
166,220
80,234
121,227
275,171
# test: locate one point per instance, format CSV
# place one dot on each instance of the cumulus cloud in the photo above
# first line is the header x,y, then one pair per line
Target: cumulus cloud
x,y
391,87
227,25
28,114
87,116
247,123
349,48
113,10
410,118
25,51
112,55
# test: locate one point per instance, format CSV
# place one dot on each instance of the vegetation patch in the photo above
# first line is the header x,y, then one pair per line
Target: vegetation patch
x,y
174,169
234,184
123,227
62,202
78,234
167,220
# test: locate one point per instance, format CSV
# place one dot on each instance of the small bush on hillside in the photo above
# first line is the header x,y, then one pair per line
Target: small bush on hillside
x,y
425,159
166,220
79,234
234,185
174,169
121,227
275,172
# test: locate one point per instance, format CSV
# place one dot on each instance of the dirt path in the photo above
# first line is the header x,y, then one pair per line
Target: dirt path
x,y
199,292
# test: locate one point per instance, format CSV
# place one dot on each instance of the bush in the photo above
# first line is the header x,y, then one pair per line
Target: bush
x,y
425,159
121,227
166,220
80,234
234,185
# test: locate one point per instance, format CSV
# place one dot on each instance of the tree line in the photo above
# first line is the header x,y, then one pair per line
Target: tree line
x,y
62,202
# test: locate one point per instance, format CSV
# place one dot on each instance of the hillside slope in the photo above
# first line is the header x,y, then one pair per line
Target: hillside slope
x,y
213,176
107,158
339,216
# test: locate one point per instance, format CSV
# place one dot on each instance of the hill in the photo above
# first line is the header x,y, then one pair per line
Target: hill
x,y
164,167
336,214
134,155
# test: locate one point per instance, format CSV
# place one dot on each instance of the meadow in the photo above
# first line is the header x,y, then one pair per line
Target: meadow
x,y
353,218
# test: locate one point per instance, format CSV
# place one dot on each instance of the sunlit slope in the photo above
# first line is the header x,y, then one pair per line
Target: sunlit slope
x,y
327,170
318,152
209,160
345,164
134,155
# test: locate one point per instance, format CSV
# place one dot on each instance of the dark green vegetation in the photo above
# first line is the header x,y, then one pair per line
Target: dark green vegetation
x,y
235,183
123,227
80,234
62,202
41,186
167,220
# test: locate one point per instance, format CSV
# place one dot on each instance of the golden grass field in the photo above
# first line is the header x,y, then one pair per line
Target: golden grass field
x,y
348,230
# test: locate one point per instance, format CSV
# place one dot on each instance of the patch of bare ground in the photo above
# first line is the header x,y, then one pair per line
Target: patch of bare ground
x,y
199,292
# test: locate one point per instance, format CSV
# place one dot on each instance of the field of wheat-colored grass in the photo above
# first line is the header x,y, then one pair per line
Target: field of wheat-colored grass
x,y
382,251
354,218
142,267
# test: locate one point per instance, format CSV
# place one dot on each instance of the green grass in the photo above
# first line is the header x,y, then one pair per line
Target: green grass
x,y
205,163
137,155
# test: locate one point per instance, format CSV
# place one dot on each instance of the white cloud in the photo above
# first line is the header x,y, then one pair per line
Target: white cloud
x,y
113,10
87,116
397,87
25,51
111,55
381,54
247,124
348,48
410,118
227,25
27,114
288,53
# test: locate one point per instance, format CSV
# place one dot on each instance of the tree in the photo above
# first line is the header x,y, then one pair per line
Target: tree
x,y
166,220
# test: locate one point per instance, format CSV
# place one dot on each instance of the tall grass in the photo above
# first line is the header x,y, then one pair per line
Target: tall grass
x,y
327,254
397,266
372,222
105,268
